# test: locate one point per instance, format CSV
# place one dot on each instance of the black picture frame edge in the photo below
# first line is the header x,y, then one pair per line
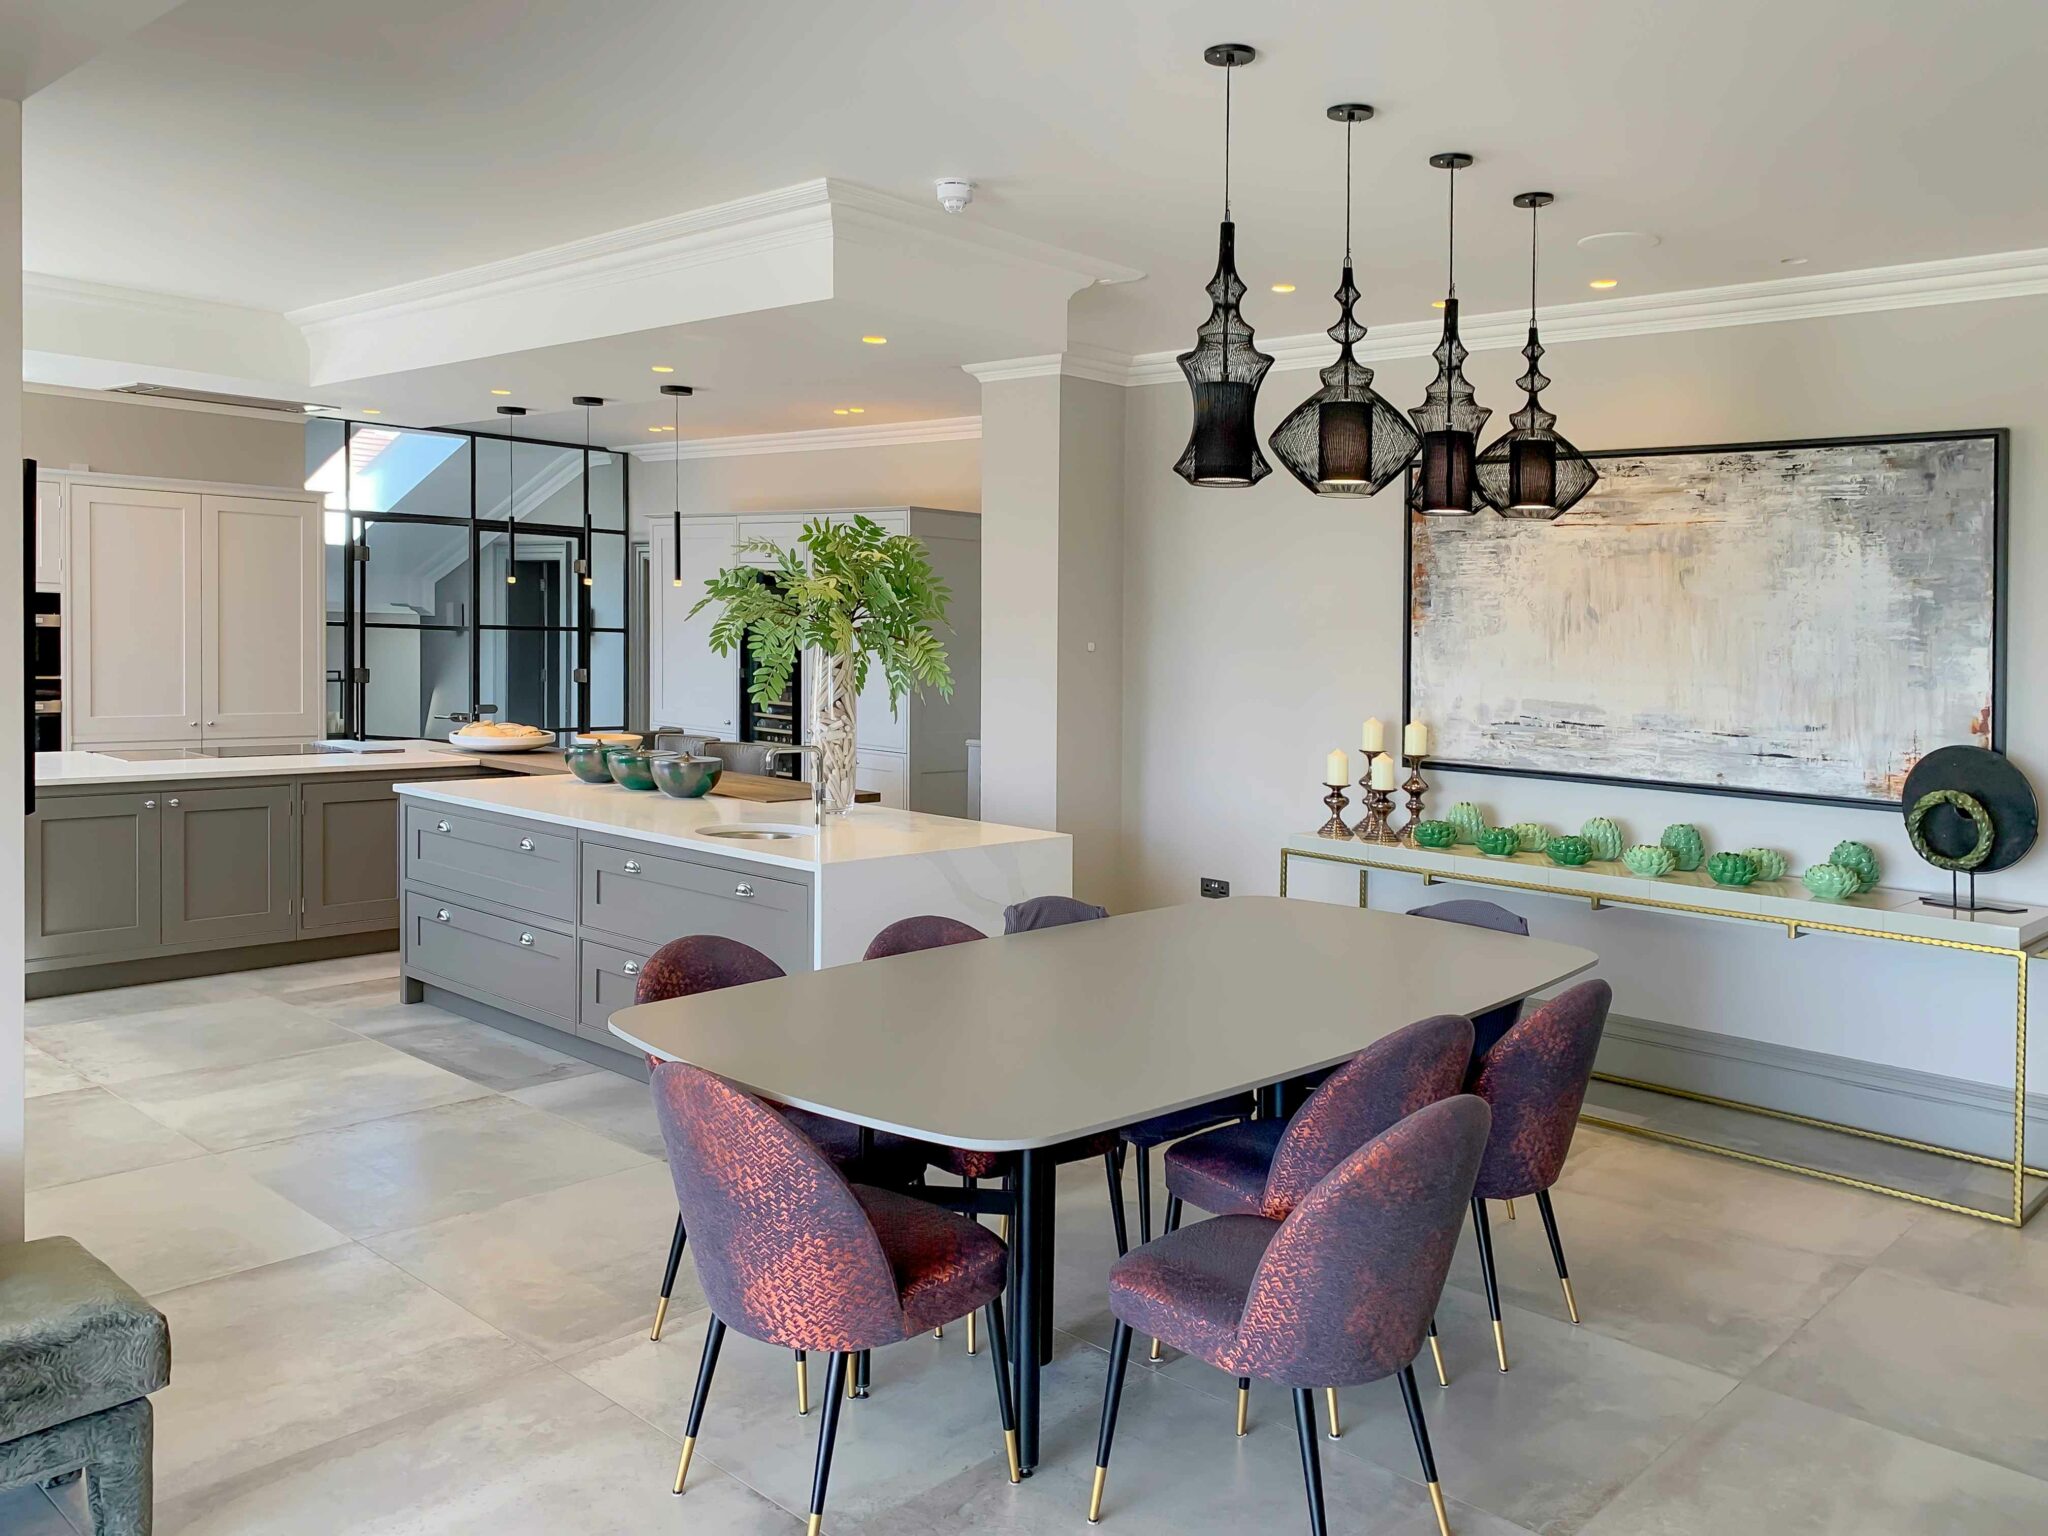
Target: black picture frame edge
x,y
2001,469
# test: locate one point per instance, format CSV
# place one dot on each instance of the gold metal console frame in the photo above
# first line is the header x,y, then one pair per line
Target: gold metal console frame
x,y
2022,1208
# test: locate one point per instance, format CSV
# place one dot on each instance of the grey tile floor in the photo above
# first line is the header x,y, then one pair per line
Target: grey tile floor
x,y
409,1263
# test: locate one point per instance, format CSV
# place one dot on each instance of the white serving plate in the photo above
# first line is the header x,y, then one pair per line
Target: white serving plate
x,y
501,743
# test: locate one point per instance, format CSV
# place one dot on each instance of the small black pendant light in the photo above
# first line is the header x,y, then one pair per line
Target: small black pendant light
x,y
1224,368
1530,471
678,393
588,402
1450,416
1345,439
511,495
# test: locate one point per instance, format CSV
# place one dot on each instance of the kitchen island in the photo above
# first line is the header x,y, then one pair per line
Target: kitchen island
x,y
533,902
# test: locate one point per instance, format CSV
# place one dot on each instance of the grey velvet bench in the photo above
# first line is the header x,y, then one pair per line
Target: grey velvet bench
x,y
80,1352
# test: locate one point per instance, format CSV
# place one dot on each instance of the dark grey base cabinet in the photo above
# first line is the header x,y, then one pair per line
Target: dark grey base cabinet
x,y
94,875
227,866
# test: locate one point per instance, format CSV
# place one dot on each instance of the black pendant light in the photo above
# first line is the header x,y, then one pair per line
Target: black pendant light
x,y
678,393
1224,368
511,495
1449,417
589,403
1345,439
1531,471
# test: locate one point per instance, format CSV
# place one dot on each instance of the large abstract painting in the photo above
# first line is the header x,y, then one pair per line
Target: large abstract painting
x,y
1795,619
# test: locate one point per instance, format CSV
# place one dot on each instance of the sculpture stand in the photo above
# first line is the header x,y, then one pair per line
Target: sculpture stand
x,y
1957,902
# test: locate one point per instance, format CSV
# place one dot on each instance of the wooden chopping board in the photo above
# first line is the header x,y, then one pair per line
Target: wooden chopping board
x,y
764,789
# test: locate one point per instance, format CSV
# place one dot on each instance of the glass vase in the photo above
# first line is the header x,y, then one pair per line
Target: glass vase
x,y
835,705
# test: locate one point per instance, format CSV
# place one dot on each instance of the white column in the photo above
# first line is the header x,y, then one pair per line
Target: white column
x,y
13,683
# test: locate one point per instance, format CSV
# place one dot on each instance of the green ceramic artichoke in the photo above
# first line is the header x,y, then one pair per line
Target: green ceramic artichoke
x,y
1498,842
1569,851
1435,834
1832,882
1731,868
1650,860
1604,837
1770,864
1859,861
1468,819
1683,839
1530,836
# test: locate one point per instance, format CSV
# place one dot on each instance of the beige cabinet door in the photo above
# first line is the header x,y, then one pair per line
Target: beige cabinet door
x,y
49,535
688,685
263,637
134,615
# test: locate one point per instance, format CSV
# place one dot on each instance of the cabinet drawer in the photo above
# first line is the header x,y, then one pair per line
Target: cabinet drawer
x,y
657,897
531,968
515,864
608,977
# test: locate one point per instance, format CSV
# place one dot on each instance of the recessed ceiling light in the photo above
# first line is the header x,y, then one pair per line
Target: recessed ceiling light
x,y
661,368
1283,287
857,410
501,391
371,410
1604,282
876,341
1793,261
1436,303
839,410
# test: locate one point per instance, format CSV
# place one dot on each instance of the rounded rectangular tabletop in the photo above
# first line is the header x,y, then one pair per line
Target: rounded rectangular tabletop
x,y
1038,1038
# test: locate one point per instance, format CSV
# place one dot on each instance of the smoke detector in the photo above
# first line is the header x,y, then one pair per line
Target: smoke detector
x,y
955,193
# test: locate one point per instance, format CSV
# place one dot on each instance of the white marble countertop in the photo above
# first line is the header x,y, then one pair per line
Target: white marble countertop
x,y
65,770
866,832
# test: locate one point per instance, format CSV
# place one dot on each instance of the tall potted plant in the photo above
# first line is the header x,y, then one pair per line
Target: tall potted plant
x,y
856,596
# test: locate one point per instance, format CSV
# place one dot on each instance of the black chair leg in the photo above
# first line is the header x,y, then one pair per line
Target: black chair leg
x,y
1006,1410
668,1277
1311,1458
1172,1225
1413,1401
713,1337
1483,1234
1116,1203
1144,1194
1112,1395
1564,1278
860,1374
828,1431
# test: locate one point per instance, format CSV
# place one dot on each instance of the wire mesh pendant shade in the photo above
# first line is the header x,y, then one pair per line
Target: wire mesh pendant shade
x,y
1531,471
1224,370
1346,439
1449,420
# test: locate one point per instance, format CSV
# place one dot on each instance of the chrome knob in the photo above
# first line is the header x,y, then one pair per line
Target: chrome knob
x,y
441,916
526,845
172,802
440,826
632,967
149,805
743,889
526,940
632,866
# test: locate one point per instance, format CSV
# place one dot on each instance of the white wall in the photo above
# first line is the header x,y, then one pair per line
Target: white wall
x,y
946,475
11,684
1261,625
119,438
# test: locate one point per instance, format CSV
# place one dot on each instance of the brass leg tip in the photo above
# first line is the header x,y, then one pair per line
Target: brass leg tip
x,y
1570,1305
1436,1499
1511,1210
811,1528
1500,1346
1010,1450
683,1465
973,1344
939,1332
1330,1398
1095,1496
1155,1355
660,1317
1244,1401
803,1389
1438,1355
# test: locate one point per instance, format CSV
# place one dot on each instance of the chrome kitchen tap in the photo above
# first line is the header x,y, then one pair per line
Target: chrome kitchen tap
x,y
817,779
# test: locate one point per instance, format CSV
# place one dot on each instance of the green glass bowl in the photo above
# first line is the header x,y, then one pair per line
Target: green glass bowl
x,y
631,767
586,760
684,776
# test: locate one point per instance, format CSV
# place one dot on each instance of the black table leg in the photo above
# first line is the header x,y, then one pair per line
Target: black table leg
x,y
1030,1299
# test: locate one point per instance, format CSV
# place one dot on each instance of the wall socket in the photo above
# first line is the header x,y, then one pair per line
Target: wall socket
x,y
1213,887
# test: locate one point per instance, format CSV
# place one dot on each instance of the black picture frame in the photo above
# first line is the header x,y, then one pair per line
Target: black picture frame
x,y
2001,441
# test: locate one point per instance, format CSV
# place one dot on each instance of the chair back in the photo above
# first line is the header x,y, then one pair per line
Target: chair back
x,y
701,962
907,935
1535,1080
784,1251
1049,912
1346,1288
1383,1084
1489,1026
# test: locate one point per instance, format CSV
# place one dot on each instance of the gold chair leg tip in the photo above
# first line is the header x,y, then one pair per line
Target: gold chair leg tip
x,y
1244,1397
1436,1499
811,1527
1155,1355
660,1317
1010,1450
1500,1346
1571,1304
1095,1496
683,1464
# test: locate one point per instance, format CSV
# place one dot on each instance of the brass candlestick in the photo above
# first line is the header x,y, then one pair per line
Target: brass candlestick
x,y
1336,800
1378,825
1414,789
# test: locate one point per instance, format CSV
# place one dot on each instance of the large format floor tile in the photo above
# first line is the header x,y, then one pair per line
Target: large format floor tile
x,y
229,1031
278,1360
87,1132
154,997
178,1223
412,1169
43,1073
604,1102
491,1057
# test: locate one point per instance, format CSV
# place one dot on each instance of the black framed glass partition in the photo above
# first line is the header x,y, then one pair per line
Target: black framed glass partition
x,y
470,575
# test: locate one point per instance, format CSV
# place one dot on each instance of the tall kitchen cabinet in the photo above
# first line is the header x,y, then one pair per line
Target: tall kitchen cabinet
x,y
192,614
916,757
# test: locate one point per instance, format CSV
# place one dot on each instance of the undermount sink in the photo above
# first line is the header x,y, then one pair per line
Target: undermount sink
x,y
756,831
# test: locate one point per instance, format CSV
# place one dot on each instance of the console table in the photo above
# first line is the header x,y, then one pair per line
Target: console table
x,y
1883,914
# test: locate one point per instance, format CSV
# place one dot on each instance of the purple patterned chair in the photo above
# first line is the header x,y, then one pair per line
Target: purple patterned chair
x,y
1339,1292
791,1254
1535,1080
1487,1027
1266,1167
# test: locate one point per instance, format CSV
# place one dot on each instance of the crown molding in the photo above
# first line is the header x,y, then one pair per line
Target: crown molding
x,y
860,207
945,429
1079,361
203,407
130,303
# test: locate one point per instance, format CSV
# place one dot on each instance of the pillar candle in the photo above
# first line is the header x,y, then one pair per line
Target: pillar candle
x,y
1382,772
1415,739
1374,736
1337,768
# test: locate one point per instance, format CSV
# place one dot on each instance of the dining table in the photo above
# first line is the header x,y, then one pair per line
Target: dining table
x,y
1023,1043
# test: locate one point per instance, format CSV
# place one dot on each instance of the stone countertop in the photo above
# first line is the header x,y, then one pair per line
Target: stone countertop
x,y
867,832
71,770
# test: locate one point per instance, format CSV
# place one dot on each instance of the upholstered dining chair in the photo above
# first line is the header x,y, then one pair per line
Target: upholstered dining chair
x,y
708,963
1534,1080
1487,1027
1338,1292
911,934
1265,1167
790,1253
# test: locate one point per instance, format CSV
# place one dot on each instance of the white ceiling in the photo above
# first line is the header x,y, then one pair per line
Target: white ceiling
x,y
285,155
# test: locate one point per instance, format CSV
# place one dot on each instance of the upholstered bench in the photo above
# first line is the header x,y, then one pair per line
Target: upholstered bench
x,y
80,1352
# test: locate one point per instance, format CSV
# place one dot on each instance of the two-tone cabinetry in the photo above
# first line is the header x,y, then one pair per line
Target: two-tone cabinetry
x,y
553,925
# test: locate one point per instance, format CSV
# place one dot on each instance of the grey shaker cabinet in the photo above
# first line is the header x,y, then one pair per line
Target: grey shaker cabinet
x,y
227,865
94,875
348,873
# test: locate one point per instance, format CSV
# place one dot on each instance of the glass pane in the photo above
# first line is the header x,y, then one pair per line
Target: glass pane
x,y
336,562
395,469
526,673
549,482
418,573
608,491
324,464
607,682
418,677
547,589
608,580
334,659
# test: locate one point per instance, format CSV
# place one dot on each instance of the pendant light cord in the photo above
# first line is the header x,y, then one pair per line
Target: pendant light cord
x,y
1532,267
1452,274
1228,71
1347,191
